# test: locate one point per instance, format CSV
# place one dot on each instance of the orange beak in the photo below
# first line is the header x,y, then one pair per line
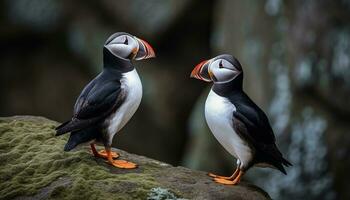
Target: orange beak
x,y
145,50
198,72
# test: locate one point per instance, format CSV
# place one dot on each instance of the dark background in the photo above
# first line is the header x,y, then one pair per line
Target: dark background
x,y
295,54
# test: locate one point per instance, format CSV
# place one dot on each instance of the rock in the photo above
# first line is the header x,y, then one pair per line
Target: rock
x,y
33,165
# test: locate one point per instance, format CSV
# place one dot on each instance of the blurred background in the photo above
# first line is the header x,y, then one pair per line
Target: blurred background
x,y
295,54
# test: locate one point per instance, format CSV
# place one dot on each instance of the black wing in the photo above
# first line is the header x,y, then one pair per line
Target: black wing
x,y
251,123
98,99
256,122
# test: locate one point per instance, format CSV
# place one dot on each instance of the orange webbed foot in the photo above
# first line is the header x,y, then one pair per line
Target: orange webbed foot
x,y
103,154
123,164
225,181
233,176
230,181
217,176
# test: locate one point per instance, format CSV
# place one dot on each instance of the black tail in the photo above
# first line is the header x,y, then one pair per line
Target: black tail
x,y
279,164
71,126
280,167
60,129
75,125
277,160
70,145
82,136
286,162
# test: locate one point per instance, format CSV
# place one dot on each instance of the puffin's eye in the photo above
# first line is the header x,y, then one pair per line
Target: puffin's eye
x,y
126,42
220,64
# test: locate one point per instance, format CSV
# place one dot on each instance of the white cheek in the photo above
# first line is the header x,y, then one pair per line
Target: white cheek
x,y
134,44
120,50
224,74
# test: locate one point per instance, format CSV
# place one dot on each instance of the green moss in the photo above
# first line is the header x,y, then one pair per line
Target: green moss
x,y
32,158
33,164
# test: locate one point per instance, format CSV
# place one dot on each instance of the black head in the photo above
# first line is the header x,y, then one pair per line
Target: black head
x,y
220,69
129,47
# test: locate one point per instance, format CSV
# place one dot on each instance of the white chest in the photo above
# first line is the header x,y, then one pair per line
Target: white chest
x,y
218,114
132,86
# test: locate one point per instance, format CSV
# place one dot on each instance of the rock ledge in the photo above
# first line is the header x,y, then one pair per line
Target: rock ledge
x,y
34,166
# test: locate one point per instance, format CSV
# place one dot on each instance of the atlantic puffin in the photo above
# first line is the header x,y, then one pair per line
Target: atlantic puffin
x,y
239,125
108,102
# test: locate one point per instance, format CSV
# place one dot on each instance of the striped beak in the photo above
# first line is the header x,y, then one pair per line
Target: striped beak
x,y
145,50
201,71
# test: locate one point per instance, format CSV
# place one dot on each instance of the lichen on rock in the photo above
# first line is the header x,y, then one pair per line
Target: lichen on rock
x,y
159,193
33,165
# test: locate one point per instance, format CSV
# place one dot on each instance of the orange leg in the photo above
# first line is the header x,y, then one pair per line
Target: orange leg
x,y
233,176
230,182
123,164
102,153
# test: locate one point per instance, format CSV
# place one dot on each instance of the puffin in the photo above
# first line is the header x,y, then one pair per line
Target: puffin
x,y
238,124
109,101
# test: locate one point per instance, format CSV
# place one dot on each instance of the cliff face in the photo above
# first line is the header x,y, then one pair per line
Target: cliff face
x,y
33,165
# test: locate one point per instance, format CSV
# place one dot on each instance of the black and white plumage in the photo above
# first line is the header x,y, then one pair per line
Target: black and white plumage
x,y
239,125
108,102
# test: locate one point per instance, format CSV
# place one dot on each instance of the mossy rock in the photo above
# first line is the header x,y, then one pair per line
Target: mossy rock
x,y
33,165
